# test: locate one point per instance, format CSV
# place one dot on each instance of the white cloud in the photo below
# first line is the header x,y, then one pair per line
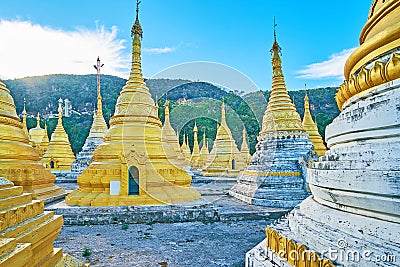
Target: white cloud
x,y
29,49
331,68
162,50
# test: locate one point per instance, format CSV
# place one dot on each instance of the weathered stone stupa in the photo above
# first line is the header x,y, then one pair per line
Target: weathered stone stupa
x,y
354,209
38,138
171,142
130,166
225,158
19,162
59,155
27,232
274,177
96,133
312,129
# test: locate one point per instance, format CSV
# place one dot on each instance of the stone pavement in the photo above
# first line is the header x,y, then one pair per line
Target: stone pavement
x,y
193,244
215,205
215,230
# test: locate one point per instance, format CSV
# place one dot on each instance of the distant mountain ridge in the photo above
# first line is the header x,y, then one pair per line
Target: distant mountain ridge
x,y
188,100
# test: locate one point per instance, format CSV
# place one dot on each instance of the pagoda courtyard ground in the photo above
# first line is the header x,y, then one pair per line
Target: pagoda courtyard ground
x,y
216,230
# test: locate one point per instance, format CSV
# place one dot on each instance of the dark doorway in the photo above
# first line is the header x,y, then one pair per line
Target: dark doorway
x,y
233,164
51,164
133,174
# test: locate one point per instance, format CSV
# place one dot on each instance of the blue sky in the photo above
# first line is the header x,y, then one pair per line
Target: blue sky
x,y
61,36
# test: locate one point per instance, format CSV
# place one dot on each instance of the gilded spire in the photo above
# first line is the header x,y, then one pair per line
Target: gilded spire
x,y
135,100
312,129
25,127
24,111
281,114
136,76
38,120
196,150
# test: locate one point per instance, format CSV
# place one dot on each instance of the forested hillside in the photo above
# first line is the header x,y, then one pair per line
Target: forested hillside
x,y
188,101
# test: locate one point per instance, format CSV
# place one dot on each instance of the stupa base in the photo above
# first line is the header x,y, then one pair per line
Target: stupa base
x,y
33,178
154,196
274,189
47,193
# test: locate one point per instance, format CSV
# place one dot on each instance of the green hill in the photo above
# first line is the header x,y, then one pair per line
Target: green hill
x,y
188,101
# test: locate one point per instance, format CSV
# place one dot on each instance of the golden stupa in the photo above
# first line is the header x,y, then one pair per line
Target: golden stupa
x,y
185,148
311,128
170,140
19,162
204,153
244,149
27,233
196,149
130,166
225,158
37,138
59,155
25,127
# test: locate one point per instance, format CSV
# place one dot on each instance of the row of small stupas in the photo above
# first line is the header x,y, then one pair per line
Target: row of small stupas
x,y
55,154
225,158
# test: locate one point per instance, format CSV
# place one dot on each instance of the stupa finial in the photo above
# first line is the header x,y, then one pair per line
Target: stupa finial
x,y
24,110
137,28
38,120
98,66
276,49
